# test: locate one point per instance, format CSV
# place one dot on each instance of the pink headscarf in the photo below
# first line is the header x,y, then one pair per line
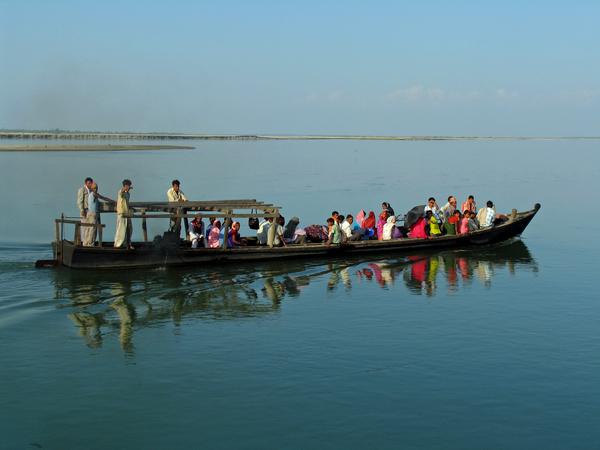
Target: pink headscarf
x,y
213,236
360,218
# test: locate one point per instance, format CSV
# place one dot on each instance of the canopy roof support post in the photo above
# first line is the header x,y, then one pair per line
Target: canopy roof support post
x,y
178,222
128,231
144,226
56,230
77,238
226,226
272,230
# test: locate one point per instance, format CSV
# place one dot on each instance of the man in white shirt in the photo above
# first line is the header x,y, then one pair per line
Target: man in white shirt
x,y
176,195
123,234
83,204
347,229
433,207
263,230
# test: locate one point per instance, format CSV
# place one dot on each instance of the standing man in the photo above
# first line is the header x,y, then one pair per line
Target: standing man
x,y
176,195
93,214
82,203
123,233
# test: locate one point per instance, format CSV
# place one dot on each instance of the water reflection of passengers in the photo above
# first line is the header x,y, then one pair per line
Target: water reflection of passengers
x,y
89,327
126,316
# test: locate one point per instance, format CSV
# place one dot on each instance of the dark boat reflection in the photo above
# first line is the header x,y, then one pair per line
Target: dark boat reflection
x,y
114,303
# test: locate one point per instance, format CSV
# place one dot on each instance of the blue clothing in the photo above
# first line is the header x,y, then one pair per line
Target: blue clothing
x,y
230,242
92,203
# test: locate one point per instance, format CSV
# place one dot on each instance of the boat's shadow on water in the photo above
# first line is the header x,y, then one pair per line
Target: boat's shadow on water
x,y
103,302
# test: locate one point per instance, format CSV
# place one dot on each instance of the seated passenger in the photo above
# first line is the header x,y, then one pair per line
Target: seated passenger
x,y
463,224
360,218
383,217
469,205
335,233
213,236
389,228
433,207
279,240
417,229
388,208
263,230
452,223
472,225
292,234
234,240
490,215
196,231
370,221
434,226
351,233
447,211
211,221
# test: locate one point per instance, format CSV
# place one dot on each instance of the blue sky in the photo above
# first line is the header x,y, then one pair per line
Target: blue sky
x,y
457,68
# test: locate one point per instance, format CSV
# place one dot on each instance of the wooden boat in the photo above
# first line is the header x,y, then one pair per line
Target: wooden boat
x,y
175,252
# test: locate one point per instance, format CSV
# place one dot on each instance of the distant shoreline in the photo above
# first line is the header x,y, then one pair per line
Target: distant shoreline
x,y
86,148
166,136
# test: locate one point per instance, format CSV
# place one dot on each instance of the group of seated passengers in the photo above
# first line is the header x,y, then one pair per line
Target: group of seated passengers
x,y
436,222
291,234
210,236
449,220
344,228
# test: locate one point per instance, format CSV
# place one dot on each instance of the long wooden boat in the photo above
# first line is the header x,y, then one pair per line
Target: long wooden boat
x,y
157,253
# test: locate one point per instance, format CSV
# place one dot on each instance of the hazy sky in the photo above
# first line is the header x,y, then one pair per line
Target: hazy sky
x,y
399,68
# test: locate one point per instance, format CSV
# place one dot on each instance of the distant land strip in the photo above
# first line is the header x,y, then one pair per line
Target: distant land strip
x,y
166,136
86,148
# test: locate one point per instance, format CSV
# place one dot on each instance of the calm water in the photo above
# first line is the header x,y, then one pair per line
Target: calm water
x,y
492,348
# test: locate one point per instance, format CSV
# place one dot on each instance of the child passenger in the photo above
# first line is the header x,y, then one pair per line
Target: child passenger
x,y
234,239
434,227
335,233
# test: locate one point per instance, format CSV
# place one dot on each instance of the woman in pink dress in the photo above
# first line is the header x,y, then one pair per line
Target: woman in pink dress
x,y
463,225
213,236
360,219
381,223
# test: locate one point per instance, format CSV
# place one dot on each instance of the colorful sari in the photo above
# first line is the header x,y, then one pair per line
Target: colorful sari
x,y
370,221
213,236
418,229
360,218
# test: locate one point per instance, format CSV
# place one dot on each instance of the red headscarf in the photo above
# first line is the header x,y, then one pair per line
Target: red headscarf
x,y
370,221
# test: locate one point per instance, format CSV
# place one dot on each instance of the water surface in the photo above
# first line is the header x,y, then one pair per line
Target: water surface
x,y
488,348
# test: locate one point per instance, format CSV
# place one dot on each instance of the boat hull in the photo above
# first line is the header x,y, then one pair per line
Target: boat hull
x,y
146,255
